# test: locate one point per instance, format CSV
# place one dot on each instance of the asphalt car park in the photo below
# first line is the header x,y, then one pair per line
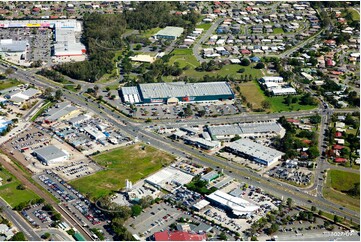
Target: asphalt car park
x,y
153,219
39,42
163,111
37,217
76,204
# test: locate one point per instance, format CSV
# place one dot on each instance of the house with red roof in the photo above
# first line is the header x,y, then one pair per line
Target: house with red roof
x,y
338,134
338,147
330,42
340,160
178,236
246,52
291,120
336,72
306,141
217,10
330,62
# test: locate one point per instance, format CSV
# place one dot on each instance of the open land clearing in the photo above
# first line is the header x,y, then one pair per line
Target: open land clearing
x,y
131,162
337,184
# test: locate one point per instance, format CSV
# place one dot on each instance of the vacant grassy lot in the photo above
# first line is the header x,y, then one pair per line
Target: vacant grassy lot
x,y
150,32
204,26
338,181
278,31
278,105
342,180
227,70
12,195
184,57
253,93
355,15
130,162
9,83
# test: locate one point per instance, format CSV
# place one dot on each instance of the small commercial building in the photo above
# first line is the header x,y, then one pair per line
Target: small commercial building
x,y
201,143
13,46
210,176
237,206
284,91
255,152
169,32
94,133
276,79
60,111
51,154
200,205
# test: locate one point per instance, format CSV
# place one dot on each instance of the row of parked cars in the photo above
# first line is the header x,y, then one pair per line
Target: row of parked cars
x,y
56,188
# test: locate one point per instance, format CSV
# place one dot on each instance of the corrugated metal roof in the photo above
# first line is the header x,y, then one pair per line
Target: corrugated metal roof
x,y
181,89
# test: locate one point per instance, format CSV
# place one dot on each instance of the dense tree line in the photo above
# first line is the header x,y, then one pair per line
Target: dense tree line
x,y
102,36
149,15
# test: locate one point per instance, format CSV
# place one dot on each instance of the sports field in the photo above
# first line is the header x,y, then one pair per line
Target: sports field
x,y
131,162
337,184
10,193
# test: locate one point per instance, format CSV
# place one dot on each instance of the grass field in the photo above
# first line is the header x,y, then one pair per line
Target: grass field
x,y
355,15
338,181
12,195
227,70
184,57
253,93
9,83
204,26
130,162
277,105
278,31
150,32
41,110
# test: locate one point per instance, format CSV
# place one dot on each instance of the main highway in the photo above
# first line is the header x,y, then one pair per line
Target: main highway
x,y
133,129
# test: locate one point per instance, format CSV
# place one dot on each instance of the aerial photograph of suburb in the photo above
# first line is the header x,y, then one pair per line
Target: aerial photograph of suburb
x,y
180,120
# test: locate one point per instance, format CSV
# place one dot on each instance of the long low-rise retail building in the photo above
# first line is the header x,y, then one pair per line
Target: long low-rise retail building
x,y
244,130
177,92
254,151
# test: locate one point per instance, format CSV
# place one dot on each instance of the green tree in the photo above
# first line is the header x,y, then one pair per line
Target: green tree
x,y
274,228
56,217
245,62
9,71
337,219
222,236
313,152
260,65
19,236
136,210
58,94
289,202
316,119
266,104
20,187
46,236
313,209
